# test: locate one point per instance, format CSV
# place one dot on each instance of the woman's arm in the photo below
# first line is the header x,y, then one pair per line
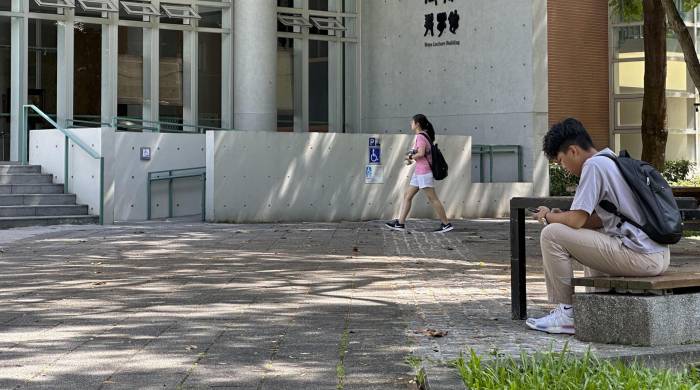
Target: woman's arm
x,y
420,153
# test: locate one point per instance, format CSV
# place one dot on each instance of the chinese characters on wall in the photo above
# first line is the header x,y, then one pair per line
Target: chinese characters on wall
x,y
440,21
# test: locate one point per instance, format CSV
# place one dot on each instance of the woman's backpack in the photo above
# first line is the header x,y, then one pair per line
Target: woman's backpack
x,y
439,165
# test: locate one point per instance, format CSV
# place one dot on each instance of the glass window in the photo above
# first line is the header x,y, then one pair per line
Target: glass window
x,y
130,71
631,142
123,14
47,8
87,72
211,17
680,113
5,5
629,77
42,69
628,42
5,92
285,84
209,100
171,85
629,112
95,8
678,146
318,86
319,5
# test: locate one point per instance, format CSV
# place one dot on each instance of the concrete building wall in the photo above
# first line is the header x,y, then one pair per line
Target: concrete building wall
x,y
47,148
487,80
126,174
169,151
579,70
269,177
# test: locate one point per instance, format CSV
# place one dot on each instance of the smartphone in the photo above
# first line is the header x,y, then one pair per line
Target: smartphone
x,y
533,210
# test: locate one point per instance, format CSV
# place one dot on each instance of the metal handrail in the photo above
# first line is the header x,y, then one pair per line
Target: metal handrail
x,y
171,175
73,123
490,150
156,126
68,136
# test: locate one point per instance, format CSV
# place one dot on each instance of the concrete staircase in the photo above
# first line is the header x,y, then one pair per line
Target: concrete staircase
x,y
29,198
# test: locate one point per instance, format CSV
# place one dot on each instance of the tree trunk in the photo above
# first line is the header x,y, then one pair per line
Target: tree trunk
x,y
685,39
654,133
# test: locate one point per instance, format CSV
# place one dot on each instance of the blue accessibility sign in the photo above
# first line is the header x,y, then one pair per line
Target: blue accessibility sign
x,y
373,141
375,155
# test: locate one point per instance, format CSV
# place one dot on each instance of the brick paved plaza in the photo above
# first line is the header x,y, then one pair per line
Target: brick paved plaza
x,y
297,306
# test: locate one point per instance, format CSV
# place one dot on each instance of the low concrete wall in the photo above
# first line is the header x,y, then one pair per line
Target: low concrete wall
x,y
46,148
269,177
168,151
125,173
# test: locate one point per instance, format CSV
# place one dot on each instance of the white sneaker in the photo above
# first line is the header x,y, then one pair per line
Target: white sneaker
x,y
560,321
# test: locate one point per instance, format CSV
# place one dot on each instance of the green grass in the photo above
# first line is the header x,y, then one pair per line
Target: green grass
x,y
420,376
342,351
563,370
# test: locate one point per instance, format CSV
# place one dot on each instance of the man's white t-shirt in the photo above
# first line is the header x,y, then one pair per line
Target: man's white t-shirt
x,y
601,179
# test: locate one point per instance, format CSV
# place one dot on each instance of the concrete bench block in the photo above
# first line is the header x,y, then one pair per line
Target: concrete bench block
x,y
638,320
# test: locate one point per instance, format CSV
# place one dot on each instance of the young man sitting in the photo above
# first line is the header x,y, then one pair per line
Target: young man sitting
x,y
587,233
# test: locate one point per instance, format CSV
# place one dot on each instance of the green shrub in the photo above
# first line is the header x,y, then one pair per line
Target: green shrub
x,y
677,171
552,370
561,182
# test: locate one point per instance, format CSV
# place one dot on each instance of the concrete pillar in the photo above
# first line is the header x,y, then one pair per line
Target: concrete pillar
x,y
18,75
65,69
255,65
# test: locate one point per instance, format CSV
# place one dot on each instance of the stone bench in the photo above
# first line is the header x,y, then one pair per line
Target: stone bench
x,y
644,311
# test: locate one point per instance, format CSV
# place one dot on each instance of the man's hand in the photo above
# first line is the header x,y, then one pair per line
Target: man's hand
x,y
575,219
541,214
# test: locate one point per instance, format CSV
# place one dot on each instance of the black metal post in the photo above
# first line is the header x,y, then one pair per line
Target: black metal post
x,y
517,264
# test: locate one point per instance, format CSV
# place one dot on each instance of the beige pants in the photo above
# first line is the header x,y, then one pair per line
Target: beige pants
x,y
599,253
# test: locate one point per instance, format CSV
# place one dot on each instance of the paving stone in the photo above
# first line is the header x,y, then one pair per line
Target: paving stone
x,y
194,305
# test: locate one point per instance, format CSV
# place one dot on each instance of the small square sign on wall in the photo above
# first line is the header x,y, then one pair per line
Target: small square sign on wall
x,y
145,154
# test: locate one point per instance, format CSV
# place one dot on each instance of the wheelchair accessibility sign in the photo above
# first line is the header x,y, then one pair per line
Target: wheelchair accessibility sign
x,y
375,155
374,174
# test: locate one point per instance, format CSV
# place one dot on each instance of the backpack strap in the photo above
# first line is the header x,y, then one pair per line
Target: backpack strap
x,y
429,150
611,208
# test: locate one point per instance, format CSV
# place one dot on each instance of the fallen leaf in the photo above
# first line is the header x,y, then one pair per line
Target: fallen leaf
x,y
354,249
432,332
190,347
99,283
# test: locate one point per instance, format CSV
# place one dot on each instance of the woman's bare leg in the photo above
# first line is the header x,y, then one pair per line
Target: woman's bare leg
x,y
406,204
437,205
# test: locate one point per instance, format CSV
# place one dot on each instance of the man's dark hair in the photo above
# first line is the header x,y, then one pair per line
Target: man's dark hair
x,y
564,134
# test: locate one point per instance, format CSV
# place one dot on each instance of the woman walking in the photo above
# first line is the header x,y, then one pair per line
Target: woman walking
x,y
422,178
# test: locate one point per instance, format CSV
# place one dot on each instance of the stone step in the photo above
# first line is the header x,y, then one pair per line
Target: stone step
x,y
26,178
37,199
12,169
43,211
14,222
2,163
33,189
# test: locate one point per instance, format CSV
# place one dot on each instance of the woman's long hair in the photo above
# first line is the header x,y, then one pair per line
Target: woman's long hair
x,y
425,125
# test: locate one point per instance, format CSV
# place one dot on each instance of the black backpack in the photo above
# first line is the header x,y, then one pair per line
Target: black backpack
x,y
664,221
439,165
